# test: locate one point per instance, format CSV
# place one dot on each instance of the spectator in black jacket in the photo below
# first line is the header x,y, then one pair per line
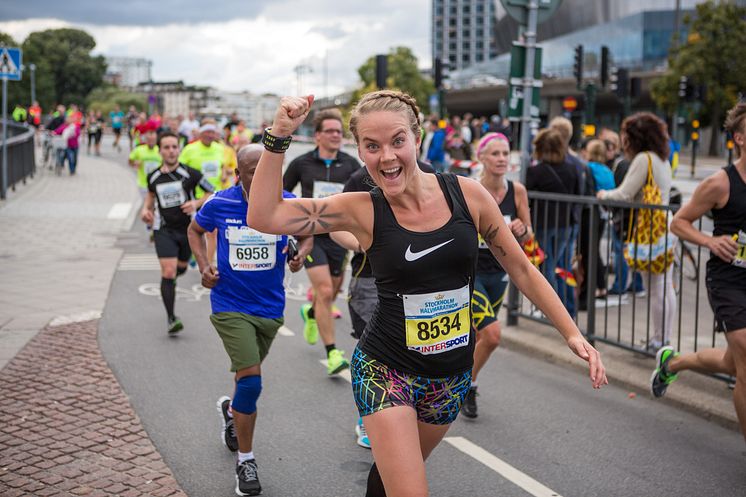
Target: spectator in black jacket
x,y
554,220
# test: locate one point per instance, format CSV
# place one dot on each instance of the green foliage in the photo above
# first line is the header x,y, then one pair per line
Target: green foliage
x,y
105,97
403,75
66,72
712,57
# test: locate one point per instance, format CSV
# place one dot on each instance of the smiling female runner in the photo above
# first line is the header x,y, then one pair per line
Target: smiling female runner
x,y
412,367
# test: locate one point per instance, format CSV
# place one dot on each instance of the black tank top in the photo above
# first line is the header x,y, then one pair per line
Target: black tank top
x,y
730,220
487,262
422,323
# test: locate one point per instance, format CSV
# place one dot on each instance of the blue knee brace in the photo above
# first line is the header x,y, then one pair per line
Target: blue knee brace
x,y
248,389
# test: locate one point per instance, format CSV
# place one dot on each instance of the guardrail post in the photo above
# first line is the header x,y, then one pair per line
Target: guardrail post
x,y
590,278
514,297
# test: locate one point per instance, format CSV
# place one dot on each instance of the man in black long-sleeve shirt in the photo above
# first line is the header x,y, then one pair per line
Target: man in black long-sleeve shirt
x,y
321,173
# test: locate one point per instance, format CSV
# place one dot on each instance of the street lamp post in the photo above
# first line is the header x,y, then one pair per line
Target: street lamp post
x,y
32,67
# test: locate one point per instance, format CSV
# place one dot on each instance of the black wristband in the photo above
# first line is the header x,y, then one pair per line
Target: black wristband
x,y
525,232
275,144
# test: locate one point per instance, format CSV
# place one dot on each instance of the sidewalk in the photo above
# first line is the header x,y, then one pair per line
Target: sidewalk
x,y
66,426
58,254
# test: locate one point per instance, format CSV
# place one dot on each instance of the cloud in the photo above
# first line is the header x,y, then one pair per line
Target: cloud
x,y
131,12
260,53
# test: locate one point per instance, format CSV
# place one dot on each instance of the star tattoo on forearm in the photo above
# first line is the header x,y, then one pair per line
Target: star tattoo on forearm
x,y
490,238
314,220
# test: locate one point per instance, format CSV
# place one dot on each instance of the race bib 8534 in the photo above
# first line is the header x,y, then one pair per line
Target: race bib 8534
x,y
437,322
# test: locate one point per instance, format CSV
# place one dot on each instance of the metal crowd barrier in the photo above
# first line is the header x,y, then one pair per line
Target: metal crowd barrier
x,y
21,162
561,222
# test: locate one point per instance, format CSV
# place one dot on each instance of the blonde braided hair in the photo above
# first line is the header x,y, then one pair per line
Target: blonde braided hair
x,y
386,100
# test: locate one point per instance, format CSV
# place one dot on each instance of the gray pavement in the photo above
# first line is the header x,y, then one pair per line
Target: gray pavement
x,y
58,252
536,413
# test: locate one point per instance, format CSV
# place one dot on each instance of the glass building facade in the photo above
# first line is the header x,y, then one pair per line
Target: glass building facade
x,y
638,42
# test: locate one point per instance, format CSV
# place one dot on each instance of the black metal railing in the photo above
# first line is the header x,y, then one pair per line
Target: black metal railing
x,y
21,161
583,239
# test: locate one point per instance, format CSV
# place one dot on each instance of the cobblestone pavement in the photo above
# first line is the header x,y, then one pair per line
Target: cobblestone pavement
x,y
68,429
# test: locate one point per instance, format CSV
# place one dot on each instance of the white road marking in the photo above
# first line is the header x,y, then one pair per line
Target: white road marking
x,y
119,211
285,331
75,318
497,465
345,373
139,262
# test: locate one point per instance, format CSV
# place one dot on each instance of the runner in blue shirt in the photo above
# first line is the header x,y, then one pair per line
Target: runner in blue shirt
x,y
248,302
117,119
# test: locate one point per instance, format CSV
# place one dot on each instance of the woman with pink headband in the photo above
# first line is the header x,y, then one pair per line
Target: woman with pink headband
x,y
491,283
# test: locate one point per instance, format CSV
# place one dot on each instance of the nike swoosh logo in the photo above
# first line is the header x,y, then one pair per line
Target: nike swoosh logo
x,y
413,256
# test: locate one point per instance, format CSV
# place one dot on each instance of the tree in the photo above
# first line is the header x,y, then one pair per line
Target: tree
x,y
105,97
66,72
711,58
403,75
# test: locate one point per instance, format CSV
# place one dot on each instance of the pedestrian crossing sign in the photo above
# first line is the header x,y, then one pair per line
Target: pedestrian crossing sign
x,y
10,63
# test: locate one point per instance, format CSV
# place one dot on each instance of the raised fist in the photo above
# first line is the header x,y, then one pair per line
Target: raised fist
x,y
290,114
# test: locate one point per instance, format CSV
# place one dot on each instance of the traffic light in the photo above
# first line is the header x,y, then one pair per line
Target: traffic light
x,y
577,68
605,63
622,83
382,71
441,72
683,84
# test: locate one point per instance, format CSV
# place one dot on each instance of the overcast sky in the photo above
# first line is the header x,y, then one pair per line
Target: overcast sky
x,y
238,44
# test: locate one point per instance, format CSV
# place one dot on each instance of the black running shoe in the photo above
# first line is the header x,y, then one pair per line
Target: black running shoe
x,y
469,409
247,481
228,434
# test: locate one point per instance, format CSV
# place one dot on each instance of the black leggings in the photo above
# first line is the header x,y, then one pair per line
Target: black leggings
x,y
375,484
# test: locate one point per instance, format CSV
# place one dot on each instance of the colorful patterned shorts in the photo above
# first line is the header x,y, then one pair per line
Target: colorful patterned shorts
x,y
376,387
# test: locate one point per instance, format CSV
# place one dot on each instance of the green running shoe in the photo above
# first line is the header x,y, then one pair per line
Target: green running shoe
x,y
661,377
336,362
174,326
310,329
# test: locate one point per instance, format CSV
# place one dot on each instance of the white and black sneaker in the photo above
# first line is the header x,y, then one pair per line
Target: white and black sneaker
x,y
228,434
247,481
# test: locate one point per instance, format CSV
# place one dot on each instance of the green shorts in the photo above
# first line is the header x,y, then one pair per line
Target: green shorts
x,y
246,338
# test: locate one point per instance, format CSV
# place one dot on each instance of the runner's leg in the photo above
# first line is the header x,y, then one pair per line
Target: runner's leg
x,y
705,361
245,423
400,443
168,284
323,289
737,345
488,339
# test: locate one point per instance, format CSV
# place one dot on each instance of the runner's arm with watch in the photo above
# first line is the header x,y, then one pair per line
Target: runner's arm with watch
x,y
270,213
503,245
